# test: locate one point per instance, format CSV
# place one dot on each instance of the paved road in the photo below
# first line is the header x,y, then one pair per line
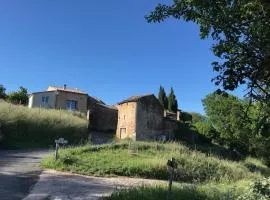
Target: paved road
x,y
56,185
21,178
19,171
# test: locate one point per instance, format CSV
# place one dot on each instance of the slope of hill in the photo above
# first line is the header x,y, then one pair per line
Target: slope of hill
x,y
206,176
24,127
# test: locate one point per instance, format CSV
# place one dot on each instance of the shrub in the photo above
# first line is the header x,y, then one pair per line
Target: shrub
x,y
258,190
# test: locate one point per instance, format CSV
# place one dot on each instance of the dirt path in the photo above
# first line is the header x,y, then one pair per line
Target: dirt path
x,y
62,186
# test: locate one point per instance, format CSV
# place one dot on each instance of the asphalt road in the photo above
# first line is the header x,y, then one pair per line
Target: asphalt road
x,y
19,171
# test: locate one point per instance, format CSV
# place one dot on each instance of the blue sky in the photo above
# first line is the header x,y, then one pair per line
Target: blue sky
x,y
103,47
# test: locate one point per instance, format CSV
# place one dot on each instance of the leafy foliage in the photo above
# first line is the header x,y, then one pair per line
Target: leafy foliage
x,y
2,92
197,117
19,97
237,123
227,114
240,30
259,189
206,129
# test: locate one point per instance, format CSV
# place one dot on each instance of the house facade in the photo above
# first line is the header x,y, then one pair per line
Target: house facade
x,y
60,98
142,118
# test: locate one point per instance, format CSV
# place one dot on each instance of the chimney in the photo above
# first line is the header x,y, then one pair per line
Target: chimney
x,y
65,86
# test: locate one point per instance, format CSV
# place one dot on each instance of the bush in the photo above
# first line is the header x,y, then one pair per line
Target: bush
x,y
258,190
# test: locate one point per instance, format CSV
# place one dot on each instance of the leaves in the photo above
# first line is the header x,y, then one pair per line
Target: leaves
x,y
240,30
19,97
2,92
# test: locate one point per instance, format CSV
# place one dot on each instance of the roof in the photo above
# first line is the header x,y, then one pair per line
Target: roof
x,y
135,98
42,92
107,106
62,89
97,99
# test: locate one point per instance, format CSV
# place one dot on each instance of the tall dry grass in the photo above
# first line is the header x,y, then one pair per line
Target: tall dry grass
x,y
38,127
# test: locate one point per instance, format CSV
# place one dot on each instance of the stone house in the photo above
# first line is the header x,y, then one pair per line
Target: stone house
x,y
142,118
59,98
102,117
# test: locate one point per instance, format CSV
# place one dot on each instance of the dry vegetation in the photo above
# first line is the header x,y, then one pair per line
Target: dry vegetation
x,y
37,127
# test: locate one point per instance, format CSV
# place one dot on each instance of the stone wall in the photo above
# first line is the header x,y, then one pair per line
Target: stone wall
x,y
126,126
170,127
103,118
149,119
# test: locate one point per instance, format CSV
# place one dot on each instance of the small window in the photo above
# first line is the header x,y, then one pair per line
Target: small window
x,y
72,105
45,99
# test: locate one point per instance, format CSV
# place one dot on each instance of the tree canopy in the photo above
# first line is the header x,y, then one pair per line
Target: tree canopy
x,y
19,97
247,130
241,33
2,92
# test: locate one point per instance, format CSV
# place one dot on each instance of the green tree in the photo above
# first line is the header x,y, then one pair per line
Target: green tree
x,y
241,33
197,117
172,102
163,97
2,92
227,115
19,97
206,128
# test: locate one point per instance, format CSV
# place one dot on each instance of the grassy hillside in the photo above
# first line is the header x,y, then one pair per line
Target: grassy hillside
x,y
24,127
199,176
150,162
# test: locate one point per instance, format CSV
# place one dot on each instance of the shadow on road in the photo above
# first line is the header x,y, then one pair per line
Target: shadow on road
x,y
17,186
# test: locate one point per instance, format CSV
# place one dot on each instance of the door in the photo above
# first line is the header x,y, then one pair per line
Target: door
x,y
123,133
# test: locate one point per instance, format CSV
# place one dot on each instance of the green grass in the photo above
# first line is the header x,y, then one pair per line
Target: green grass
x,y
23,127
255,165
182,192
113,159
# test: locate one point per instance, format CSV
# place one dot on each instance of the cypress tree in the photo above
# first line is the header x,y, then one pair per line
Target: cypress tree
x,y
172,101
162,97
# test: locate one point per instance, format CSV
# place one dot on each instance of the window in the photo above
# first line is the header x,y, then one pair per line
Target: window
x,y
45,99
72,105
